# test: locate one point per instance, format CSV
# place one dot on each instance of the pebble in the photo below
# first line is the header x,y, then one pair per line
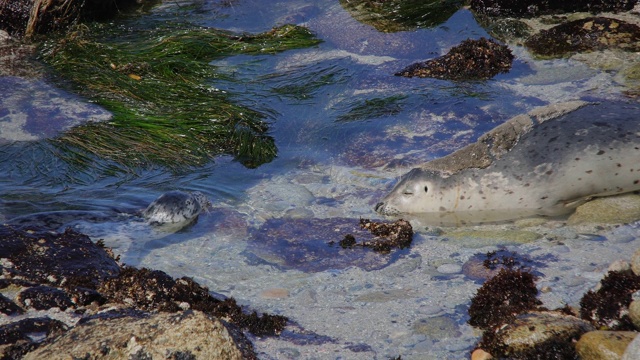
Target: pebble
x,y
274,293
479,354
449,268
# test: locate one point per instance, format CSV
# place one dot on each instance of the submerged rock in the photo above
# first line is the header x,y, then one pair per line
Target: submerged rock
x,y
471,60
591,34
320,244
401,15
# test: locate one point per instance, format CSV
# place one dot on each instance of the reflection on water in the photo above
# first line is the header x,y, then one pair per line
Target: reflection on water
x,y
345,128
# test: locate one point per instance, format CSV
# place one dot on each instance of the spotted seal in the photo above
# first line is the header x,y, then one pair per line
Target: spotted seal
x,y
546,162
176,207
171,211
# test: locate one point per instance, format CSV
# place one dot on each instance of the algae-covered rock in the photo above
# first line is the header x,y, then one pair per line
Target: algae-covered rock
x,y
401,15
188,335
536,335
590,34
608,307
471,60
529,8
604,345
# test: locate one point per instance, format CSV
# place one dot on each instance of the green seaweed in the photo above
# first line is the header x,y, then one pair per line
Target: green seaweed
x,y
401,15
374,108
158,84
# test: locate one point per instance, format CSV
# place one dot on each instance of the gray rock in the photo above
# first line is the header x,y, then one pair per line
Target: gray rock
x,y
191,334
633,350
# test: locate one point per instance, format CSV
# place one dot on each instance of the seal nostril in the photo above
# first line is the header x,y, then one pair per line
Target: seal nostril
x,y
378,206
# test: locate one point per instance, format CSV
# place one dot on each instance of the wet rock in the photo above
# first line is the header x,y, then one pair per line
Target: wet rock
x,y
156,336
8,307
536,335
485,266
529,8
604,345
37,256
608,210
438,327
591,34
482,238
334,243
44,297
471,60
635,262
24,335
155,290
401,15
608,307
507,294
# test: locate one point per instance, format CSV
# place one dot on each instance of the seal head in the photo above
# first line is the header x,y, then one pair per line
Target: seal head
x,y
418,190
176,207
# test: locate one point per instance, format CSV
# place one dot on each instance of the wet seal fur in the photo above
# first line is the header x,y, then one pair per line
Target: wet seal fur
x,y
546,162
176,207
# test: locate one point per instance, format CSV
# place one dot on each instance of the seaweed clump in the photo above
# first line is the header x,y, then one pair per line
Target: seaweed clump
x,y
500,299
401,15
607,308
471,60
155,290
158,85
591,34
531,8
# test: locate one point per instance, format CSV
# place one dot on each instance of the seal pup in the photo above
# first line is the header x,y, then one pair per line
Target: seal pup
x,y
176,207
546,162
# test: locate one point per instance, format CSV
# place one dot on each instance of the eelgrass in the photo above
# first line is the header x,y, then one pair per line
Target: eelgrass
x,y
161,90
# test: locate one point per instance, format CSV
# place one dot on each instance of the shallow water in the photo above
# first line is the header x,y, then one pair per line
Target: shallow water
x,y
334,160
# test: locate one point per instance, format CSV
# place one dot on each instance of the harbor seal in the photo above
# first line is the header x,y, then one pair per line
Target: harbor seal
x,y
546,162
176,207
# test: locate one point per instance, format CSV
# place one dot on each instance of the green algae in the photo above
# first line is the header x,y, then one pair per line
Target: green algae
x,y
374,108
160,88
401,15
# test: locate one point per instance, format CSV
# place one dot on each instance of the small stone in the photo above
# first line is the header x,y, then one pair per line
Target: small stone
x,y
449,268
479,354
545,289
634,313
619,265
604,345
635,262
274,293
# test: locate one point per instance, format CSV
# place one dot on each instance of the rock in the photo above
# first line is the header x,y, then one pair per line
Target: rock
x,y
608,306
604,345
608,210
482,238
437,327
44,297
531,8
591,34
471,60
188,335
634,313
313,245
485,266
479,354
633,350
401,15
536,335
635,262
